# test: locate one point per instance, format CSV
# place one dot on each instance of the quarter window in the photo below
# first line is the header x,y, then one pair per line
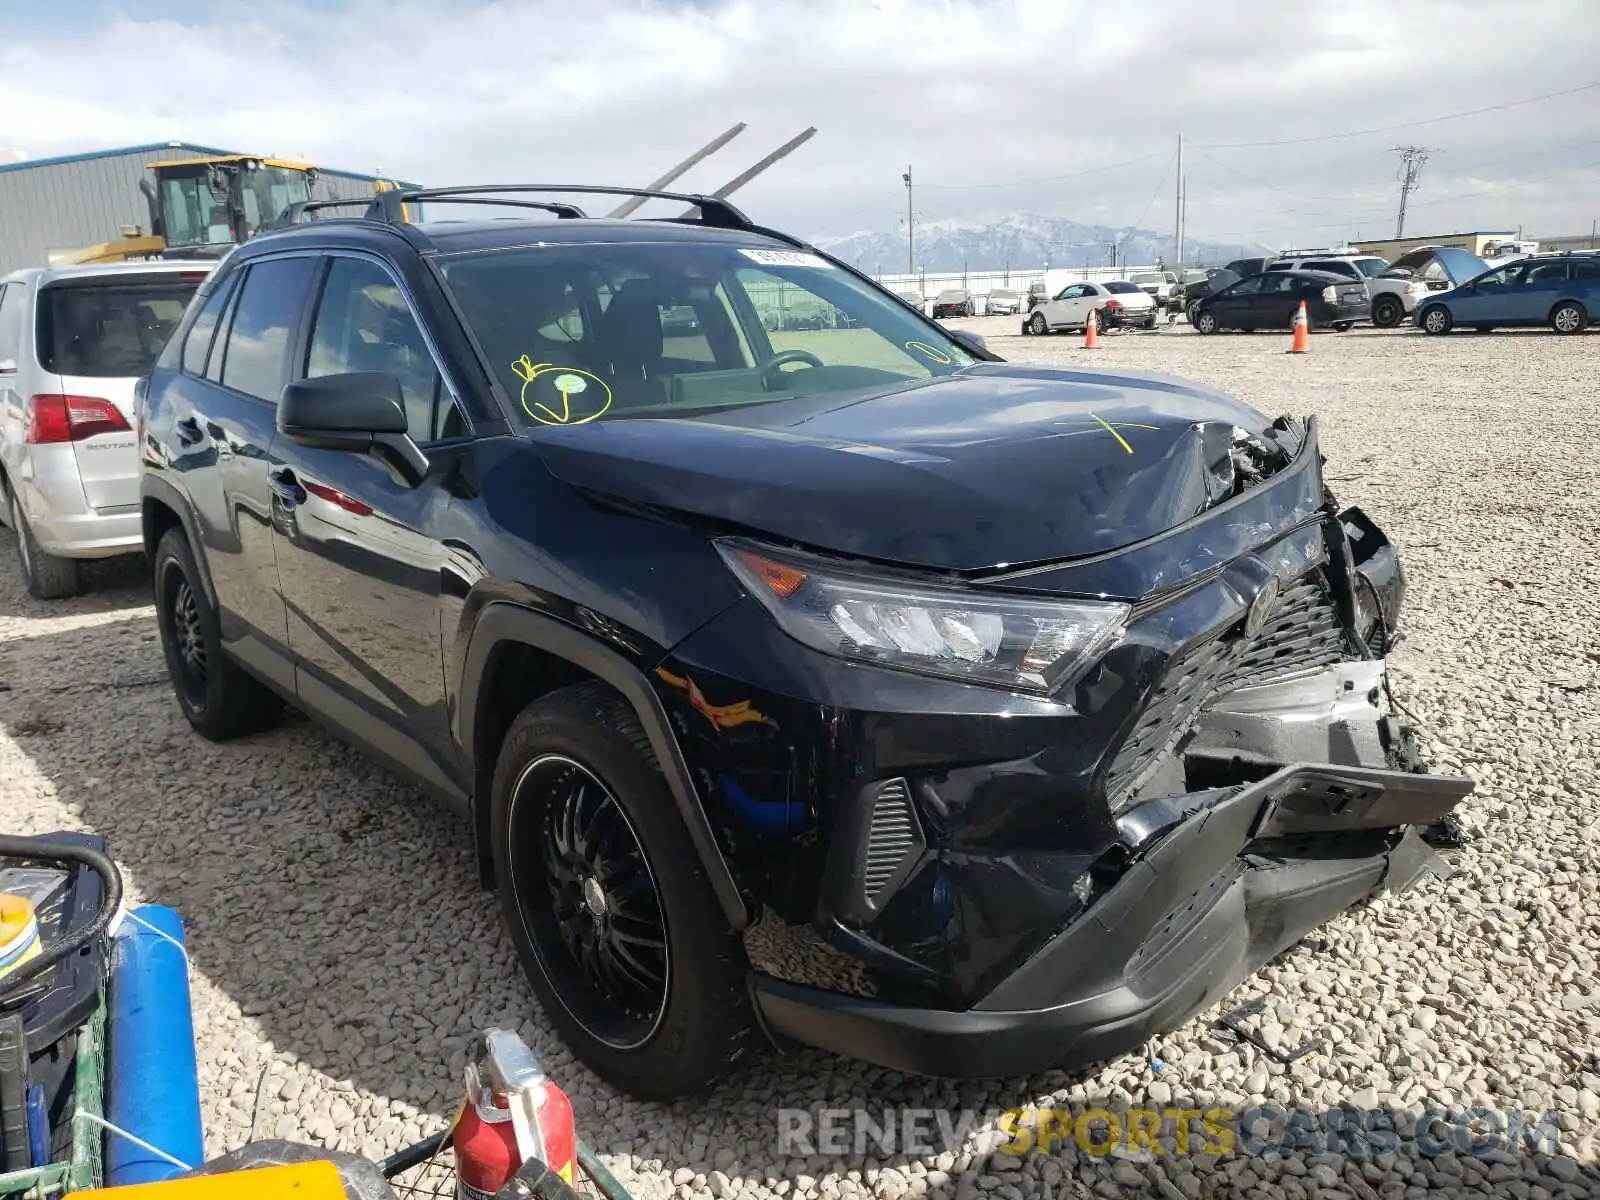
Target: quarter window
x,y
270,300
197,345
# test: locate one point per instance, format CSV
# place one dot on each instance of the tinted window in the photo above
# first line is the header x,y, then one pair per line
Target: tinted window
x,y
1278,283
198,343
1333,267
109,330
1121,288
1586,268
11,320
364,324
270,300
1249,287
1547,273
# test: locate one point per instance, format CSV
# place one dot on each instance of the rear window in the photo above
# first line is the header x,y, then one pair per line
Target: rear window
x,y
107,330
1121,287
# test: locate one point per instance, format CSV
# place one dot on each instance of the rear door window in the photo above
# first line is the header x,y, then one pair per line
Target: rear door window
x,y
271,298
110,328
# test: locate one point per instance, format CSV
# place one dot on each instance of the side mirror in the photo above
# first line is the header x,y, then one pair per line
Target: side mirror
x,y
972,341
361,411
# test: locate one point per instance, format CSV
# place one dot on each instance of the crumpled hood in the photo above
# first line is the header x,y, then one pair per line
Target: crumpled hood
x,y
997,464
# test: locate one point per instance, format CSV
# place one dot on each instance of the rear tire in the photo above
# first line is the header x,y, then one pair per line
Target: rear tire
x,y
46,576
1387,312
217,696
1569,317
668,1012
1342,326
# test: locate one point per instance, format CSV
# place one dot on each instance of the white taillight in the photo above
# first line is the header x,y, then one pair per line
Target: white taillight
x,y
1330,294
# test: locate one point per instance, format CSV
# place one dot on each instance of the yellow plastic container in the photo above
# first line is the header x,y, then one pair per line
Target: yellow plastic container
x,y
19,933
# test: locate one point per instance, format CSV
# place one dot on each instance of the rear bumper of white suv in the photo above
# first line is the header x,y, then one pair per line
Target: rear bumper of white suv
x,y
63,522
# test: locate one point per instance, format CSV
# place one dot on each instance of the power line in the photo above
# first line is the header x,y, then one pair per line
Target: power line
x,y
1456,116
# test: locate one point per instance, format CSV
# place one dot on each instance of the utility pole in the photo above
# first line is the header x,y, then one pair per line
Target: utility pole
x,y
1177,208
1411,160
911,244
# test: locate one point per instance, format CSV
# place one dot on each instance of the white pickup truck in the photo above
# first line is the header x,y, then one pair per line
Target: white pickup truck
x,y
1416,274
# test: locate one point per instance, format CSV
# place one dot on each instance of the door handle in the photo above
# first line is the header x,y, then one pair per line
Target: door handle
x,y
188,431
287,487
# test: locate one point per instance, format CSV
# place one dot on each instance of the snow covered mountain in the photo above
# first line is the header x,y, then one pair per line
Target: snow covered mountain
x,y
1019,240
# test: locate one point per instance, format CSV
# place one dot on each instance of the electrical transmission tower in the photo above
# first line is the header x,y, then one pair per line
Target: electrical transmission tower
x,y
1411,160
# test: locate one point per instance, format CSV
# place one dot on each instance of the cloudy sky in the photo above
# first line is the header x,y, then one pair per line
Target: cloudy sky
x,y
1289,108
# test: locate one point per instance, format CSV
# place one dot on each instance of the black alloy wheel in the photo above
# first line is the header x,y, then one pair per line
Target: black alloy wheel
x,y
597,924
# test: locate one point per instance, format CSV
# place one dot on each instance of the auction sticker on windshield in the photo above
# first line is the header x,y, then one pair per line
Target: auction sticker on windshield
x,y
786,258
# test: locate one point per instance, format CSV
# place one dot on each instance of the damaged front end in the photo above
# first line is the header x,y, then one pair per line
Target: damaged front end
x,y
1047,889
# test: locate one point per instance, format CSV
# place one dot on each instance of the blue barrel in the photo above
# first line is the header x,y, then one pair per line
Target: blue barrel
x,y
152,1081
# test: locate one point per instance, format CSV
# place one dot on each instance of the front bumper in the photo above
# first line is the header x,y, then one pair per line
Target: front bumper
x,y
1242,876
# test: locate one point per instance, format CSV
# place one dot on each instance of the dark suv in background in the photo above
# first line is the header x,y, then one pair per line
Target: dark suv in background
x,y
824,683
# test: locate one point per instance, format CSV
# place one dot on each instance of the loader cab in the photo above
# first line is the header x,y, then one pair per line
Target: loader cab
x,y
203,207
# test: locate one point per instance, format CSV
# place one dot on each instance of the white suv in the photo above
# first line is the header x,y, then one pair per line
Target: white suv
x,y
74,341
1350,263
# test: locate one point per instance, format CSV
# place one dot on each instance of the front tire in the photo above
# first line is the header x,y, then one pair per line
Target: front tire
x,y
1038,324
46,576
1387,312
1436,319
1569,317
1205,322
216,695
614,921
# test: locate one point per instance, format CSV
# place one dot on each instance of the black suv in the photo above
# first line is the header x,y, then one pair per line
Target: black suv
x,y
843,685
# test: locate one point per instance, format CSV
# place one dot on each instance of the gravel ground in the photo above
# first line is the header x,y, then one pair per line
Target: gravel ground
x,y
342,952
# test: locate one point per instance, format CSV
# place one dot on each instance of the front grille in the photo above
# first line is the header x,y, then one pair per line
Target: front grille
x,y
1303,632
892,838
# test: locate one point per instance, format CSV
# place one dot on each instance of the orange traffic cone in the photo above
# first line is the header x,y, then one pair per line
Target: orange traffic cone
x,y
1091,331
1302,331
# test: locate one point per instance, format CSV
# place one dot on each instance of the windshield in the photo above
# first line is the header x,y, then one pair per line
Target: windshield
x,y
588,332
197,216
1372,267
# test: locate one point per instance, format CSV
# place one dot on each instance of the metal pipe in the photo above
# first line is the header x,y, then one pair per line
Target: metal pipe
x,y
677,172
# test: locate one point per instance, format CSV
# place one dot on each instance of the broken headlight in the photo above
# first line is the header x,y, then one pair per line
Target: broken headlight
x,y
955,633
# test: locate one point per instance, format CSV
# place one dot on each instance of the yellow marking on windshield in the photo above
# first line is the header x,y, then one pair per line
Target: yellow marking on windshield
x,y
565,382
1121,441
927,351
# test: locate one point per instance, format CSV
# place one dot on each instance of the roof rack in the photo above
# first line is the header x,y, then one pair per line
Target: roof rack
x,y
388,206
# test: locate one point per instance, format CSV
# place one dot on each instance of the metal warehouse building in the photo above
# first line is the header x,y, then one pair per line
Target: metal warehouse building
x,y
54,204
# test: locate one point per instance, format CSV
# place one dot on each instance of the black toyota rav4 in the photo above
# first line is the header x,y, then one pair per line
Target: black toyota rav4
x,y
840,684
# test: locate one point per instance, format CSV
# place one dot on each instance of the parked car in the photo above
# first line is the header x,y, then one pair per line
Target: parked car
x,y
1004,301
743,759
73,342
1115,302
914,299
1197,291
1416,274
1558,290
1351,264
1245,267
1272,300
954,302
1159,284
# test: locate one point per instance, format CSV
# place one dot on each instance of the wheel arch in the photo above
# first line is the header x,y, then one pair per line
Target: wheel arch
x,y
507,640
1575,302
162,507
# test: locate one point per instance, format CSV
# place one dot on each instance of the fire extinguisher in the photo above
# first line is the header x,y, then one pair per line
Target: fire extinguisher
x,y
512,1113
